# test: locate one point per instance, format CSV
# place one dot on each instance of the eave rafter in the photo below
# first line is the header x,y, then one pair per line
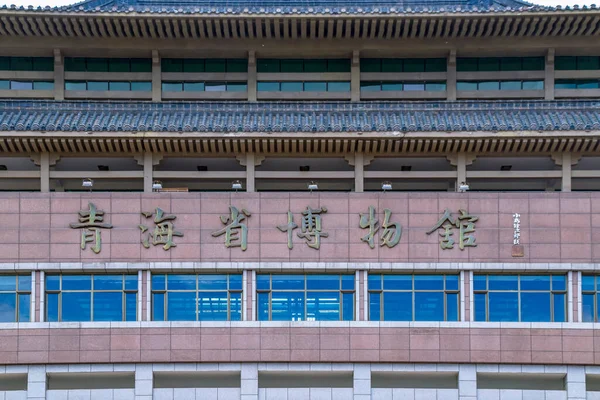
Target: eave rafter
x,y
314,26
375,143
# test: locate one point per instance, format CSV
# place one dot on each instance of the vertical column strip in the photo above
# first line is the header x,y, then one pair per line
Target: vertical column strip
x,y
471,312
140,316
570,296
156,77
252,77
244,295
358,315
365,293
579,298
42,296
34,299
355,76
45,172
59,75
566,172
451,76
148,296
463,287
253,293
549,76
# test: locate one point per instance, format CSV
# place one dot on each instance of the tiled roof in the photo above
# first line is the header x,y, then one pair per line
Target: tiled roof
x,y
285,7
225,117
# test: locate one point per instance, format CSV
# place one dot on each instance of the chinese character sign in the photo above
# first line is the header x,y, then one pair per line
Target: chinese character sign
x,y
392,231
91,221
517,228
311,228
163,232
465,224
236,232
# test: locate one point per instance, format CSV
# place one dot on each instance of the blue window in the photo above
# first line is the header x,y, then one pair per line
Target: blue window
x,y
79,298
191,297
434,86
520,298
413,297
305,297
500,85
590,286
15,298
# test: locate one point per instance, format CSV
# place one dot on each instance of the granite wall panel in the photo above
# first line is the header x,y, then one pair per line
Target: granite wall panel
x,y
555,227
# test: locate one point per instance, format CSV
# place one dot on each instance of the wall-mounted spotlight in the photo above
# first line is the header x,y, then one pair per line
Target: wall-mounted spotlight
x,y
236,185
87,183
304,168
312,185
463,187
387,185
157,186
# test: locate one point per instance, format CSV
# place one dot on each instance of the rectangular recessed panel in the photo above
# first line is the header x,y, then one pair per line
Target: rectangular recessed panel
x,y
592,383
100,380
13,382
414,380
521,381
308,379
225,379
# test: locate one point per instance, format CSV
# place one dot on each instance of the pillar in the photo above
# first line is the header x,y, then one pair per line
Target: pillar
x,y
566,172
249,382
59,76
355,76
451,76
250,180
156,77
461,169
252,78
362,382
467,382
359,173
45,172
148,167
36,382
575,381
143,382
549,76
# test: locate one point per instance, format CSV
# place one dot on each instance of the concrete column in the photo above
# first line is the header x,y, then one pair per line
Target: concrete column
x,y
252,75
566,172
576,383
359,172
467,382
59,76
45,172
355,76
362,382
143,382
148,167
36,382
250,172
549,76
156,77
249,377
451,76
570,297
461,169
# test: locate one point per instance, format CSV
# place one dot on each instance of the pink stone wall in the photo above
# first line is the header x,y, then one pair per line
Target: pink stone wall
x,y
555,227
300,344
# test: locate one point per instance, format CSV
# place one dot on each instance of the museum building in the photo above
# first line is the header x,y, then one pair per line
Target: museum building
x,y
314,200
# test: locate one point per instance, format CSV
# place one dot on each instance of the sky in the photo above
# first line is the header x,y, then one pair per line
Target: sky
x,y
52,3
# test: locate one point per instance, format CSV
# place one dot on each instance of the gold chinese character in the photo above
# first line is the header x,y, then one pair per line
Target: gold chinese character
x,y
465,224
289,228
311,227
91,221
233,237
392,231
163,231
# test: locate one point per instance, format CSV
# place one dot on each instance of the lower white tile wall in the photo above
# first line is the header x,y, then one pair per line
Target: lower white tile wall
x,y
590,396
305,394
197,394
13,395
507,394
414,394
96,394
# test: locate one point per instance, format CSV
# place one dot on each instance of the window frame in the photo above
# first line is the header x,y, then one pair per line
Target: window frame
x,y
381,292
305,291
587,292
551,291
164,292
91,291
17,293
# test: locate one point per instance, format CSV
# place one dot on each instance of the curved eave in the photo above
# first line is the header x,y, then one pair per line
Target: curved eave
x,y
513,23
